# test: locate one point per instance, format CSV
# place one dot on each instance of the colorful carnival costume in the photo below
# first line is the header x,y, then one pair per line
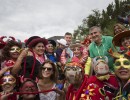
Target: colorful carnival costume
x,y
103,85
122,71
74,73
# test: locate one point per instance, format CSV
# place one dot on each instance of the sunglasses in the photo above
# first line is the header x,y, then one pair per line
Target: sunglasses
x,y
47,69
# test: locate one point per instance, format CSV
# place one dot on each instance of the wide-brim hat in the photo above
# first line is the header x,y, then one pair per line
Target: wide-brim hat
x,y
62,41
32,41
52,42
117,38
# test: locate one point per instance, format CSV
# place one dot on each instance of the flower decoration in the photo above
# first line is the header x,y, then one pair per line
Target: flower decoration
x,y
87,93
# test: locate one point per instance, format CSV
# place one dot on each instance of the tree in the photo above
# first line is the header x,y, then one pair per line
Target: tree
x,y
106,19
94,19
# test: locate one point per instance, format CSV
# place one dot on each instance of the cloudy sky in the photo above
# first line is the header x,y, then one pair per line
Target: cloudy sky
x,y
45,18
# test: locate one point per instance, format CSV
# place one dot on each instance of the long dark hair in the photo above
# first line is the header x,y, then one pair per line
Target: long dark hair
x,y
5,50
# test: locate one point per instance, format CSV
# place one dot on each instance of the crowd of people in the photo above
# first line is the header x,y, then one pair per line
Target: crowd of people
x,y
97,68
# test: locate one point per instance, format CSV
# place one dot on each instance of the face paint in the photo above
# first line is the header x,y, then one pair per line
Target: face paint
x,y
15,49
122,62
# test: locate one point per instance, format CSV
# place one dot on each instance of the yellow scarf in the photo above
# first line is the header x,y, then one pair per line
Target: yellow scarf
x,y
104,77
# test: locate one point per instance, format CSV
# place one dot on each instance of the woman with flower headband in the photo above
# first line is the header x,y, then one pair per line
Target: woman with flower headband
x,y
47,81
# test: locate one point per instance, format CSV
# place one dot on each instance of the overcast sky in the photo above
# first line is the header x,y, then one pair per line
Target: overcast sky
x,y
45,18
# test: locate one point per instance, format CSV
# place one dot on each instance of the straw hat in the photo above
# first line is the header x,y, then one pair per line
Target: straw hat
x,y
118,37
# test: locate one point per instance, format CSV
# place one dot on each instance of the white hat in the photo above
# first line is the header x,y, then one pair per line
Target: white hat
x,y
62,41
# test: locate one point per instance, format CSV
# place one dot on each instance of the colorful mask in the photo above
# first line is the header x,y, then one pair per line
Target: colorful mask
x,y
8,79
15,49
122,62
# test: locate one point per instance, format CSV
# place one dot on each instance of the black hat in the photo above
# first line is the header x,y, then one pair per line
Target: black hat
x,y
52,42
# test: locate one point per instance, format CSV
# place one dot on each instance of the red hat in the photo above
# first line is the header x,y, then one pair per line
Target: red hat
x,y
2,43
32,41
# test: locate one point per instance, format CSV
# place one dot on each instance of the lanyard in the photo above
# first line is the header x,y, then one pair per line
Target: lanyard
x,y
99,54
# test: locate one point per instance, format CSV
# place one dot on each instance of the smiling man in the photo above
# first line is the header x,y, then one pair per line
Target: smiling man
x,y
100,45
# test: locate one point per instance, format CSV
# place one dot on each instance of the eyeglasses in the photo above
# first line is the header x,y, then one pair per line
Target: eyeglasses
x,y
47,69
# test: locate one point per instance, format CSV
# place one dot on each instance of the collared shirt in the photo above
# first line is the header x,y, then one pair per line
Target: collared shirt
x,y
102,49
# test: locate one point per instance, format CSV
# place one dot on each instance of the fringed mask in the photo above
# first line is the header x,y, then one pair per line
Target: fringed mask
x,y
73,72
